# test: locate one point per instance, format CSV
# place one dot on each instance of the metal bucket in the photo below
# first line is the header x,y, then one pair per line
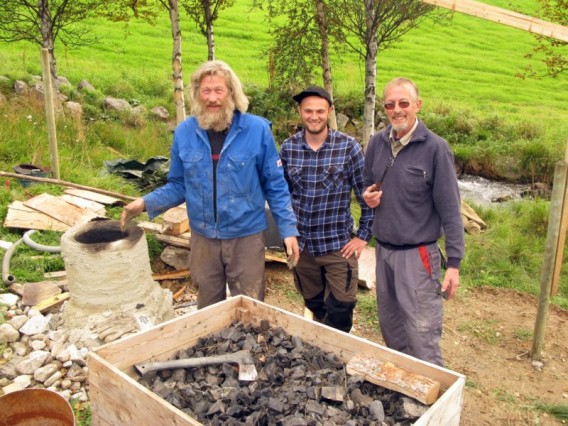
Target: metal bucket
x,y
29,170
34,407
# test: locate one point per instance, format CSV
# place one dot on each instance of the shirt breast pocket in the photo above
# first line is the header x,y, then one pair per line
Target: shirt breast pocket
x,y
333,177
244,175
295,176
191,164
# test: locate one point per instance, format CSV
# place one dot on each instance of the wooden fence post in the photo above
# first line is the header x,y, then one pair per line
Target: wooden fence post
x,y
549,259
561,238
49,112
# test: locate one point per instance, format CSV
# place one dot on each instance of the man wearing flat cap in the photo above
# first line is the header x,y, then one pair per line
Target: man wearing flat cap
x,y
322,167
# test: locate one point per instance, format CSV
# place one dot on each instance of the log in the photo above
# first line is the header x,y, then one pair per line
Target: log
x,y
174,275
388,375
65,183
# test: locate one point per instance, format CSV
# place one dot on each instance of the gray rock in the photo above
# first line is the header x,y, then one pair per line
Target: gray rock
x,y
160,113
377,410
35,325
62,81
45,372
176,257
115,104
8,299
342,121
32,362
21,88
411,408
73,109
53,379
8,371
8,333
18,321
37,345
85,86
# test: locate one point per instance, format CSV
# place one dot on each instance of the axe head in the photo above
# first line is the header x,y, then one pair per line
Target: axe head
x,y
247,370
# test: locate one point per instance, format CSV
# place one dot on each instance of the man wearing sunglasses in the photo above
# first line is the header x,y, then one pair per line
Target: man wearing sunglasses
x,y
323,168
411,183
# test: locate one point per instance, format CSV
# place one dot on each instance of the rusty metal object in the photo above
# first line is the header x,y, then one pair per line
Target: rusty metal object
x,y
32,407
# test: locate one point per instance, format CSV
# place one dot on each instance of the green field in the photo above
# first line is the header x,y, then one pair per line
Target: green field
x,y
468,64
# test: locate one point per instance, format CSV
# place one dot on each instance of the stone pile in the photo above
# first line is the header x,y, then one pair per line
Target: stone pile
x,y
298,384
40,353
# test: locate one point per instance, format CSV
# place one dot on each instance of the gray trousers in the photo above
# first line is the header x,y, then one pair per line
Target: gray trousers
x,y
236,262
408,300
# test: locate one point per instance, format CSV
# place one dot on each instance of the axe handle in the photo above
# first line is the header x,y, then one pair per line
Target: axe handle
x,y
146,368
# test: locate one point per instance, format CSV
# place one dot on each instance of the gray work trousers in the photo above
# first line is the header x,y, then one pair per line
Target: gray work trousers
x,y
237,263
409,302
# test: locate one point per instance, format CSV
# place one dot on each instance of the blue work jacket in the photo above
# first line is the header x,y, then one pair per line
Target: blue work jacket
x,y
249,172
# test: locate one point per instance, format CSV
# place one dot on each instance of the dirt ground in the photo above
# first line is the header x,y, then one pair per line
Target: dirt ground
x,y
487,337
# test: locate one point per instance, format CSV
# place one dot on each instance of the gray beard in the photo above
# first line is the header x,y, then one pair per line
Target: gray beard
x,y
217,121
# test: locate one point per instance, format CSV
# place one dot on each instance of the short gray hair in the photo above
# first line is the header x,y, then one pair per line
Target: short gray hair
x,y
402,81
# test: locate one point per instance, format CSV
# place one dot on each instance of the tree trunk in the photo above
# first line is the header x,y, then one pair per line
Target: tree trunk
x,y
47,35
177,75
325,62
370,75
209,31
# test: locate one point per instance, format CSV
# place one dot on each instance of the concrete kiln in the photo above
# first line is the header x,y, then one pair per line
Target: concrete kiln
x,y
108,273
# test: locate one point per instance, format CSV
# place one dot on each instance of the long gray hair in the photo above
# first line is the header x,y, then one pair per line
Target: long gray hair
x,y
211,68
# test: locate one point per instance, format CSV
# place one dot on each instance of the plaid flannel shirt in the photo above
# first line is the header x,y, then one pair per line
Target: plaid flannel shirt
x,y
320,185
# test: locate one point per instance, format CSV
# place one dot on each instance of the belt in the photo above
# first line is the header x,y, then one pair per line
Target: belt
x,y
404,246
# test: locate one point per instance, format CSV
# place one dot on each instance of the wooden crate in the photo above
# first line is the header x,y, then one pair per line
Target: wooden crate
x,y
117,398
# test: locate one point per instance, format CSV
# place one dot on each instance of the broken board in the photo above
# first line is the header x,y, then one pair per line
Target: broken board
x,y
60,209
176,221
21,216
388,375
93,196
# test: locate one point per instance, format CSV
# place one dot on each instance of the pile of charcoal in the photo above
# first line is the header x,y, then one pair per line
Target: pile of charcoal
x,y
297,384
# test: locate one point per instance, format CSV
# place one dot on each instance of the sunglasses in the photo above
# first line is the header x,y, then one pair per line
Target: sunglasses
x,y
392,105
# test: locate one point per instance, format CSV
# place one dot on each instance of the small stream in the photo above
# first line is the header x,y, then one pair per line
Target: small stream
x,y
486,192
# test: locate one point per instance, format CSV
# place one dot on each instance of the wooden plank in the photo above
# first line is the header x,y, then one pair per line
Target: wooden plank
x,y
118,399
55,274
174,240
389,376
46,305
174,275
176,221
83,203
60,209
93,196
505,17
20,216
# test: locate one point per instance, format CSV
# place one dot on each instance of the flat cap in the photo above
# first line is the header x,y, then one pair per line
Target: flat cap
x,y
312,91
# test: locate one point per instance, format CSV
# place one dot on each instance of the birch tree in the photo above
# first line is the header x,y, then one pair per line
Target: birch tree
x,y
370,26
204,13
301,45
44,22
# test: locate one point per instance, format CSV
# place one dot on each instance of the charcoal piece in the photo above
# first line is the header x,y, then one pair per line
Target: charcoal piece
x,y
212,379
178,375
196,375
201,407
313,392
377,411
230,383
410,409
337,416
176,401
313,407
334,378
216,408
294,420
333,393
224,347
249,343
243,396
297,341
236,411
162,388
264,325
287,344
256,418
359,399
276,404
296,373
230,370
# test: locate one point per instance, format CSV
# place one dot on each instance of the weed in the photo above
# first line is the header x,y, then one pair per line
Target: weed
x,y
505,396
367,309
522,334
485,330
559,411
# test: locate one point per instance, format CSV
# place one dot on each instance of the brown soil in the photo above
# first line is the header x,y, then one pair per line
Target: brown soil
x,y
487,337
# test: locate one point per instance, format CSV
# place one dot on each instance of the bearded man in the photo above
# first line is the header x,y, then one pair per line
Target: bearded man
x,y
224,166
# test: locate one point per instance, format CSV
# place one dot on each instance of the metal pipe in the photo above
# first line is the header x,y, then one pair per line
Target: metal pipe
x,y
8,278
40,247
